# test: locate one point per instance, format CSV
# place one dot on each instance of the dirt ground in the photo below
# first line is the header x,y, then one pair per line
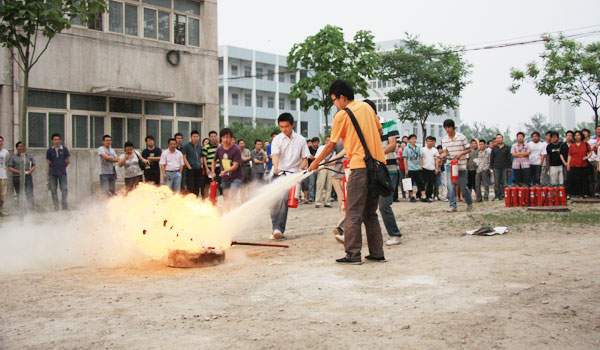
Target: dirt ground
x,y
537,287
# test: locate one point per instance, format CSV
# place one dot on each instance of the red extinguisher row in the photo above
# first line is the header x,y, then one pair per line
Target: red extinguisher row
x,y
546,196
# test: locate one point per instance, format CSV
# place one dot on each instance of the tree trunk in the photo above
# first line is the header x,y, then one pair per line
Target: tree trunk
x,y
595,117
424,133
24,100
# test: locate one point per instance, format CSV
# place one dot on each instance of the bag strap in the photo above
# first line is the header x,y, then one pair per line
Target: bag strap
x,y
358,131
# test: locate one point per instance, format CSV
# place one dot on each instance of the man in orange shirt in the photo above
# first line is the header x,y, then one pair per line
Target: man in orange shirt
x,y
361,203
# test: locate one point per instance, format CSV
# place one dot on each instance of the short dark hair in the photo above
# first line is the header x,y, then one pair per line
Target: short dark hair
x,y
403,137
212,132
490,141
194,132
586,130
411,136
285,117
178,134
309,140
149,137
430,138
171,139
341,88
18,143
316,139
371,103
403,142
128,144
449,123
226,131
256,141
500,135
580,132
535,133
571,131
472,140
480,141
274,133
1,138
520,133
105,136
439,147
554,133
55,135
240,140
548,133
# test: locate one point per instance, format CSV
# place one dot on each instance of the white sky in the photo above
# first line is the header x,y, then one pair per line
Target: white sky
x,y
275,25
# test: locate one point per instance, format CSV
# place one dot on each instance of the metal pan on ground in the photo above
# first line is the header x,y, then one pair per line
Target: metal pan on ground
x,y
548,209
186,259
585,200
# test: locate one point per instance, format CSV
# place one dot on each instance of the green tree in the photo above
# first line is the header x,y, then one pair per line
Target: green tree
x,y
325,57
570,71
249,134
538,122
480,131
586,125
430,79
27,27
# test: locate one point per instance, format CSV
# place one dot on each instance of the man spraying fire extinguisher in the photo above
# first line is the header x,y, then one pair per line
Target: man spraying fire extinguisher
x,y
456,147
289,153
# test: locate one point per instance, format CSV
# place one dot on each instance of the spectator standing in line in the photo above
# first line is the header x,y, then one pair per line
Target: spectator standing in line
x,y
553,162
500,162
456,146
520,165
205,141
208,152
430,170
108,173
400,161
246,169
58,159
338,186
482,173
313,148
152,154
131,160
179,140
591,161
171,166
194,164
564,158
489,149
4,157
14,166
579,153
259,158
229,155
471,166
536,148
324,182
442,189
362,202
413,163
545,176
595,161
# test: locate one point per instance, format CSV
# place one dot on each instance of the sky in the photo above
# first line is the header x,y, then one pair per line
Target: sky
x,y
275,25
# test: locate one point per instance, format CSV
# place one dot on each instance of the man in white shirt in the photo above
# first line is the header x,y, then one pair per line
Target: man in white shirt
x,y
430,166
289,153
171,164
4,155
545,176
536,148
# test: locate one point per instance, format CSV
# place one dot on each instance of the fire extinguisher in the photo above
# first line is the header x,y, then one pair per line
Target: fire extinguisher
x,y
345,178
557,196
539,200
525,201
454,171
514,197
214,188
550,196
519,196
532,198
294,196
543,197
563,196
507,199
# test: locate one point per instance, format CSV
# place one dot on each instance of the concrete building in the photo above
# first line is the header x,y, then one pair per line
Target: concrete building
x,y
254,88
562,113
377,93
143,68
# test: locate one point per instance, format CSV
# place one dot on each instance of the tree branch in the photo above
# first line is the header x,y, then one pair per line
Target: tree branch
x,y
40,54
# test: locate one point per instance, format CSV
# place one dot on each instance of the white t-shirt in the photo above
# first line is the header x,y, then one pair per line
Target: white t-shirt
x,y
544,151
429,155
536,149
594,157
291,151
4,156
132,166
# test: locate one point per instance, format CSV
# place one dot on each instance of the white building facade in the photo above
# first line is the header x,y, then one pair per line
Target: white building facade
x,y
562,113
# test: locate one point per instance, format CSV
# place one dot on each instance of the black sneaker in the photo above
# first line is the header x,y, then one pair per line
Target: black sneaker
x,y
380,259
345,260
338,231
426,200
413,200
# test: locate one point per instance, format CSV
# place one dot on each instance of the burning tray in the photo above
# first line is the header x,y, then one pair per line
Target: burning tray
x,y
187,259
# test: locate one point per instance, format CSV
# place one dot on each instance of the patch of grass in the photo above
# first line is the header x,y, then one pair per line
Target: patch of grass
x,y
520,218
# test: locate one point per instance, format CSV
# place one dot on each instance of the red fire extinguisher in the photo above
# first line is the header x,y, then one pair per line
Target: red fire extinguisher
x,y
507,195
214,188
544,194
525,201
519,196
550,197
514,197
539,197
532,198
345,178
562,193
557,196
454,171
294,196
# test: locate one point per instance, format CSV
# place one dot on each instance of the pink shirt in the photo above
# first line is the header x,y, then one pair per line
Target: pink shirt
x,y
523,162
173,161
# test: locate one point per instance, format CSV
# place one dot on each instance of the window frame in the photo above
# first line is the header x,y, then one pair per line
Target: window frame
x,y
125,116
47,112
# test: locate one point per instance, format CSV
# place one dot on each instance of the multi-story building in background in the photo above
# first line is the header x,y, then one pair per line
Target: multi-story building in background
x,y
562,113
254,88
143,68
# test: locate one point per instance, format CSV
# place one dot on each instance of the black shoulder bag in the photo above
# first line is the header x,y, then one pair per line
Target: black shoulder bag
x,y
140,161
377,172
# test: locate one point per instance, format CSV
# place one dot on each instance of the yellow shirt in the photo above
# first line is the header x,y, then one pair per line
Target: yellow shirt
x,y
370,127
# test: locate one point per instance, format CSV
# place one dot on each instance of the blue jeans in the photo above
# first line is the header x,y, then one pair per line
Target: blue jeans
x,y
173,181
387,214
462,185
55,181
500,182
279,211
231,189
107,184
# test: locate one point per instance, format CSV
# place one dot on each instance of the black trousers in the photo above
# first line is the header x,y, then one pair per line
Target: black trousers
x,y
152,176
522,176
429,179
578,179
471,174
417,176
194,181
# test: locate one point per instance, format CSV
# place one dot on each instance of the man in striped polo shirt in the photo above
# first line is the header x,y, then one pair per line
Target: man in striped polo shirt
x,y
457,147
208,152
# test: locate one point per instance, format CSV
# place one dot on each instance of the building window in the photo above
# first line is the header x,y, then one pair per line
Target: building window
x,y
220,66
304,129
88,102
190,110
259,101
96,23
117,131
125,105
115,17
235,99
440,130
270,102
47,99
80,131
247,71
153,129
259,73
415,129
271,75
158,108
154,24
179,29
125,129
194,32
96,131
41,125
282,103
292,78
293,105
186,127
187,6
248,100
166,132
134,131
234,70
164,33
161,3
131,20
282,77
